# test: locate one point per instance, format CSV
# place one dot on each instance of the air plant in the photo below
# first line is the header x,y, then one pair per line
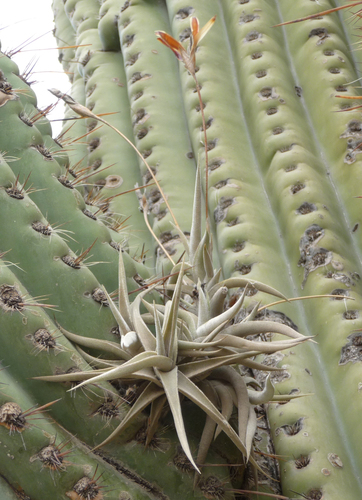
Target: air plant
x,y
197,340
192,353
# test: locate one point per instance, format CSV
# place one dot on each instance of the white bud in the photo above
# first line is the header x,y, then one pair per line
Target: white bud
x,y
130,342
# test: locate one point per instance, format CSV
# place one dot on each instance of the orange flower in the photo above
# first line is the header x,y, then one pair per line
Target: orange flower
x,y
186,56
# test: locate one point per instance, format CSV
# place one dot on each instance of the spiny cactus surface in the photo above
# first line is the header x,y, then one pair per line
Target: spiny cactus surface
x,y
117,273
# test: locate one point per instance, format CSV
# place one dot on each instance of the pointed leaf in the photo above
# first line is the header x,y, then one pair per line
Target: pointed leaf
x,y
156,410
237,382
254,365
194,24
160,344
226,396
123,325
208,432
202,265
217,302
123,300
264,396
213,281
241,282
204,30
250,431
98,362
195,233
142,360
265,347
203,307
257,327
185,344
209,338
191,391
71,377
104,345
150,393
169,328
251,316
171,43
203,367
216,321
170,384
144,333
207,257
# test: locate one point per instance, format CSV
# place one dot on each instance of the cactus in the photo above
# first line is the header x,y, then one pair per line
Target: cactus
x,y
43,450
274,142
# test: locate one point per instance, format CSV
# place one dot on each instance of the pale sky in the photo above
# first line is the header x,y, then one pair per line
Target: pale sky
x,y
20,21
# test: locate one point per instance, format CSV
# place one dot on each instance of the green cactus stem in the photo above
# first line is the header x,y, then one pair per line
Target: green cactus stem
x,y
279,164
42,460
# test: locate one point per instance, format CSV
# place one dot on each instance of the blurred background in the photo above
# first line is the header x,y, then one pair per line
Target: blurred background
x,y
26,33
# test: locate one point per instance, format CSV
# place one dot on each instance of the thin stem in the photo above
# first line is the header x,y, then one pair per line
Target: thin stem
x,y
144,208
145,162
262,493
206,151
302,298
318,14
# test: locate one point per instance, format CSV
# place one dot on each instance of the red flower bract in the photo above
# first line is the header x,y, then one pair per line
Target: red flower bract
x,y
186,56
